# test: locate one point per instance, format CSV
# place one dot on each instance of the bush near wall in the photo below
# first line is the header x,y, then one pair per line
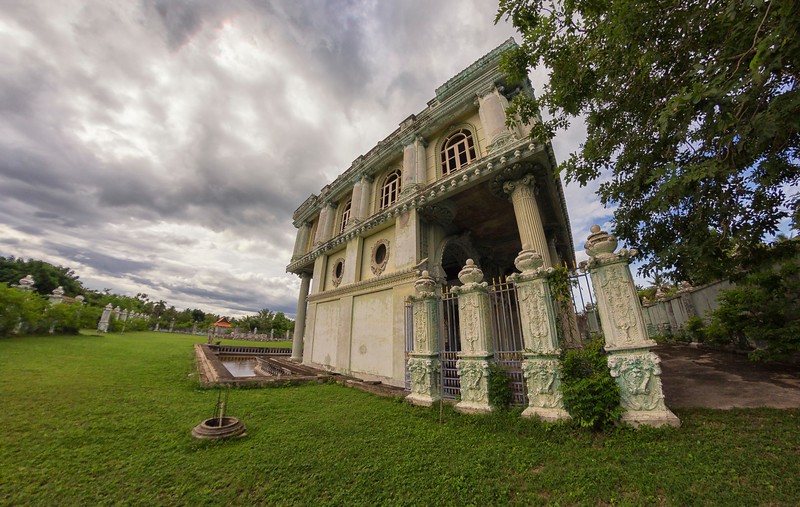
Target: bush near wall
x,y
762,312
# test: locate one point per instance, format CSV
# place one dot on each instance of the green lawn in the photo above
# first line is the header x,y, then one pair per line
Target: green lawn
x,y
90,420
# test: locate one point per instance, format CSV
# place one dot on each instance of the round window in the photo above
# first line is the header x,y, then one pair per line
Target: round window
x,y
380,254
339,269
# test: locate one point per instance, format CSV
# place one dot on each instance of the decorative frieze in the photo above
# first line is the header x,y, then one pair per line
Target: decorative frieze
x,y
634,367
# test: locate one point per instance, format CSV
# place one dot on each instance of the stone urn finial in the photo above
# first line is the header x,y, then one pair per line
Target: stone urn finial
x,y
424,284
27,283
528,260
471,274
600,243
58,291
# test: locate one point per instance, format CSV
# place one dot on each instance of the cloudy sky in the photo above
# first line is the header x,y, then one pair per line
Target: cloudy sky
x,y
161,146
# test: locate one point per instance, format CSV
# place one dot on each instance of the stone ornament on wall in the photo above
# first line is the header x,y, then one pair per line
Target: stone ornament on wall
x,y
338,272
379,257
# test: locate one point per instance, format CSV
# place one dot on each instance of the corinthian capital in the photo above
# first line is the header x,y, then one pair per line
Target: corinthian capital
x,y
525,185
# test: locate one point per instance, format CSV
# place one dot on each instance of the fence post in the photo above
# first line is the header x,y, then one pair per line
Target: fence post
x,y
423,363
635,368
105,318
476,341
541,365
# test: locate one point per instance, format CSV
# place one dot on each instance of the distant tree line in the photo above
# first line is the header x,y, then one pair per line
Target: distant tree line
x,y
24,312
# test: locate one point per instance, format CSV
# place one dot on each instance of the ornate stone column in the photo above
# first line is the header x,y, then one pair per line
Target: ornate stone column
x,y
492,111
531,232
300,319
423,363
105,318
476,340
409,167
322,222
363,205
301,240
420,144
57,296
541,367
355,202
635,368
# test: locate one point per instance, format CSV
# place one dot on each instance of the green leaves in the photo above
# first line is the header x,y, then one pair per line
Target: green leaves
x,y
692,113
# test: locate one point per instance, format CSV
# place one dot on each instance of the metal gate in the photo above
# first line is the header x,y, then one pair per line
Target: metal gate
x,y
506,334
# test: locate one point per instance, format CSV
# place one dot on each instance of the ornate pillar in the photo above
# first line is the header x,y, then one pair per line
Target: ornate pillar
x,y
423,363
363,205
300,319
301,240
476,340
355,202
105,318
492,111
420,144
409,167
531,232
321,223
57,296
541,367
635,368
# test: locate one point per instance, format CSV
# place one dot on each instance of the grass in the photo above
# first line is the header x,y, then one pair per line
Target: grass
x,y
93,420
285,344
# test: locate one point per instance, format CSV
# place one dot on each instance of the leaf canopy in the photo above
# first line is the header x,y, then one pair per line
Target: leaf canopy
x,y
692,114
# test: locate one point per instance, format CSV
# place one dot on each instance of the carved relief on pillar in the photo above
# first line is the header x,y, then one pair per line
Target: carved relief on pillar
x,y
473,312
638,376
425,374
543,378
474,376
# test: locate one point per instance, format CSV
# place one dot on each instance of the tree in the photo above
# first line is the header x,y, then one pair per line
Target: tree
x,y
692,114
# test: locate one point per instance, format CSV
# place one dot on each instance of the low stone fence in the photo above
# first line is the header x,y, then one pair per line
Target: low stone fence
x,y
671,314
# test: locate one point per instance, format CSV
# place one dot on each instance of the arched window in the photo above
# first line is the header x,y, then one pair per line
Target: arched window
x,y
345,215
390,189
458,150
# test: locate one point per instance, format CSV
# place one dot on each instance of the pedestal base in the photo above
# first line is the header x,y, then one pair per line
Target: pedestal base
x,y
656,418
422,400
547,414
473,408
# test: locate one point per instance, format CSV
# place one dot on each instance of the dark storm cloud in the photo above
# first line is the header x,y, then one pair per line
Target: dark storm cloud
x,y
103,263
163,145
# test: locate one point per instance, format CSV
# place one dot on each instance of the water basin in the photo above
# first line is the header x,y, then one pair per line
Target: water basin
x,y
241,367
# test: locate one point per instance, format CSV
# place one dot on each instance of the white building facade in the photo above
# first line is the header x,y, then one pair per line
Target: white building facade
x,y
452,183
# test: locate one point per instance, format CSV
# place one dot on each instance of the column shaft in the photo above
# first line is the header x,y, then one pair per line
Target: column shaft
x,y
300,319
529,223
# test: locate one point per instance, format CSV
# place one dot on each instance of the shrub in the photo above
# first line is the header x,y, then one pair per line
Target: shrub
x,y
500,394
762,312
591,396
20,311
